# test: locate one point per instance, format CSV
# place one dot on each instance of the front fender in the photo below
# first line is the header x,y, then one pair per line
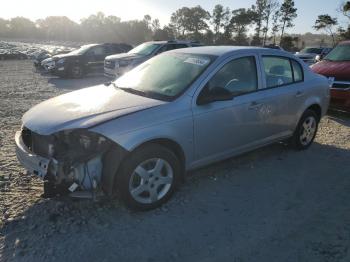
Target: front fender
x,y
179,131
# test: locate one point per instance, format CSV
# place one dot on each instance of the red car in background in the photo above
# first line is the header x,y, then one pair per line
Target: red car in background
x,y
336,66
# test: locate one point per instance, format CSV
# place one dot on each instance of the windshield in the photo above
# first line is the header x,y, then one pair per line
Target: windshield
x,y
144,49
340,53
165,76
311,50
81,50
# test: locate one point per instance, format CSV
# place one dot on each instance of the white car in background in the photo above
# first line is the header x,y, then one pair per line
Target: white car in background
x,y
117,65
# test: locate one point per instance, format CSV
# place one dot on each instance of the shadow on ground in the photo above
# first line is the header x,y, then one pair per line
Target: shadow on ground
x,y
273,204
340,117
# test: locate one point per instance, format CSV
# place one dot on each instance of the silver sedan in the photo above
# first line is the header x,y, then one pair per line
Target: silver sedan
x,y
178,111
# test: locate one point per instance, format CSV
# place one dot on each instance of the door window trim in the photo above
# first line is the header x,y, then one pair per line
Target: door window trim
x,y
224,63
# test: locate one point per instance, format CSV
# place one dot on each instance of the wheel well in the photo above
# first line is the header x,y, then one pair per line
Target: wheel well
x,y
171,145
317,109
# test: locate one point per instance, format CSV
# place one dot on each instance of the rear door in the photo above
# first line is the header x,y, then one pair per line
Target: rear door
x,y
283,93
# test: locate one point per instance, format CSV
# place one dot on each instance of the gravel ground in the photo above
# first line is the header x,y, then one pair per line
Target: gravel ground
x,y
273,204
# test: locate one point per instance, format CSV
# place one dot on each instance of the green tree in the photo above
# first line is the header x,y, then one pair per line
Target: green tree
x,y
3,27
155,25
288,14
346,9
327,23
58,28
21,27
219,19
271,8
259,14
148,20
178,21
275,25
190,20
197,20
241,19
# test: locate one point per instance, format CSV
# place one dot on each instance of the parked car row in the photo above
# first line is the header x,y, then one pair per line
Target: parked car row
x,y
86,59
117,65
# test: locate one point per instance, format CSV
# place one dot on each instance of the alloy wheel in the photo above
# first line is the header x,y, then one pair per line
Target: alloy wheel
x,y
308,130
151,180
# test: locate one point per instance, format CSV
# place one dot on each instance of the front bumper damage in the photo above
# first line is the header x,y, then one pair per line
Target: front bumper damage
x,y
35,164
72,170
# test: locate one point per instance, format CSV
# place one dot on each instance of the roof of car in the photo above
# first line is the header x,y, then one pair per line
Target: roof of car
x,y
221,50
174,42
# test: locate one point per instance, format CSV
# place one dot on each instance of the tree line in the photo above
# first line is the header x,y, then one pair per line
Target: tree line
x,y
268,19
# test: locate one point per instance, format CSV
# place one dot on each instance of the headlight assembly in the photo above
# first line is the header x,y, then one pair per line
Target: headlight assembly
x,y
123,63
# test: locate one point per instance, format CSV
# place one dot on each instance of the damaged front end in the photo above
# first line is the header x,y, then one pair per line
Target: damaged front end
x,y
76,162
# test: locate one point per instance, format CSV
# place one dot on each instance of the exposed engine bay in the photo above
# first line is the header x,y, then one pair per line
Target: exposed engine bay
x,y
80,162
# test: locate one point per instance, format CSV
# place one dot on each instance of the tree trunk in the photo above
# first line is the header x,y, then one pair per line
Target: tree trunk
x,y
333,38
282,33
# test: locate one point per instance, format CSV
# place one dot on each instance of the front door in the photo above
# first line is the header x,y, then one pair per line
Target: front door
x,y
223,127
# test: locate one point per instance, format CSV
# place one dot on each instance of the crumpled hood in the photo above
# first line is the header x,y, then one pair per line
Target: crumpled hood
x,y
84,108
333,69
124,56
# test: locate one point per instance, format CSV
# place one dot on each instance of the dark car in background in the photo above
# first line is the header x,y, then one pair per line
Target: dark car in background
x,y
336,66
42,55
117,65
86,59
310,54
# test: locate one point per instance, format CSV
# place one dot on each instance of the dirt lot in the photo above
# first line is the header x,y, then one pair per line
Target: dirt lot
x,y
273,204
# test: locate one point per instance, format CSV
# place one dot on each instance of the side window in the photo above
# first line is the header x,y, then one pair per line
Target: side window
x,y
180,46
238,76
162,49
170,47
278,71
298,71
98,50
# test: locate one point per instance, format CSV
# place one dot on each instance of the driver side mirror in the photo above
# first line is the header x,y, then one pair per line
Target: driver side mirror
x,y
208,96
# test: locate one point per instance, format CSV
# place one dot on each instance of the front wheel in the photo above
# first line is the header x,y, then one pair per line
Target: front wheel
x,y
148,177
76,71
306,130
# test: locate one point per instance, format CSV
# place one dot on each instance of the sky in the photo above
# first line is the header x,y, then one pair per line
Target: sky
x,y
308,10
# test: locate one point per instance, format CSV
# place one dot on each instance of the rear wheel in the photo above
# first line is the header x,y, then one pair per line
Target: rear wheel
x,y
148,177
306,130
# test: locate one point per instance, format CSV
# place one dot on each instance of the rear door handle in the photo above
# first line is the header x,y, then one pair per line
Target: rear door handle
x,y
254,105
299,94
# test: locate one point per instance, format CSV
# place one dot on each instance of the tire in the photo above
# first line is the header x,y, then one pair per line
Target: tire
x,y
76,71
306,130
148,177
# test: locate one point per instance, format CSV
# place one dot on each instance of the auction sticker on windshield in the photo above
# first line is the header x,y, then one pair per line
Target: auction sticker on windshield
x,y
201,61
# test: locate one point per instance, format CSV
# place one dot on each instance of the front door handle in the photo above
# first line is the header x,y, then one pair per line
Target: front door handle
x,y
299,94
254,105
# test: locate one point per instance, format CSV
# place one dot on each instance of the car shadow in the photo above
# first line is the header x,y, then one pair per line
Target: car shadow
x,y
73,84
228,205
